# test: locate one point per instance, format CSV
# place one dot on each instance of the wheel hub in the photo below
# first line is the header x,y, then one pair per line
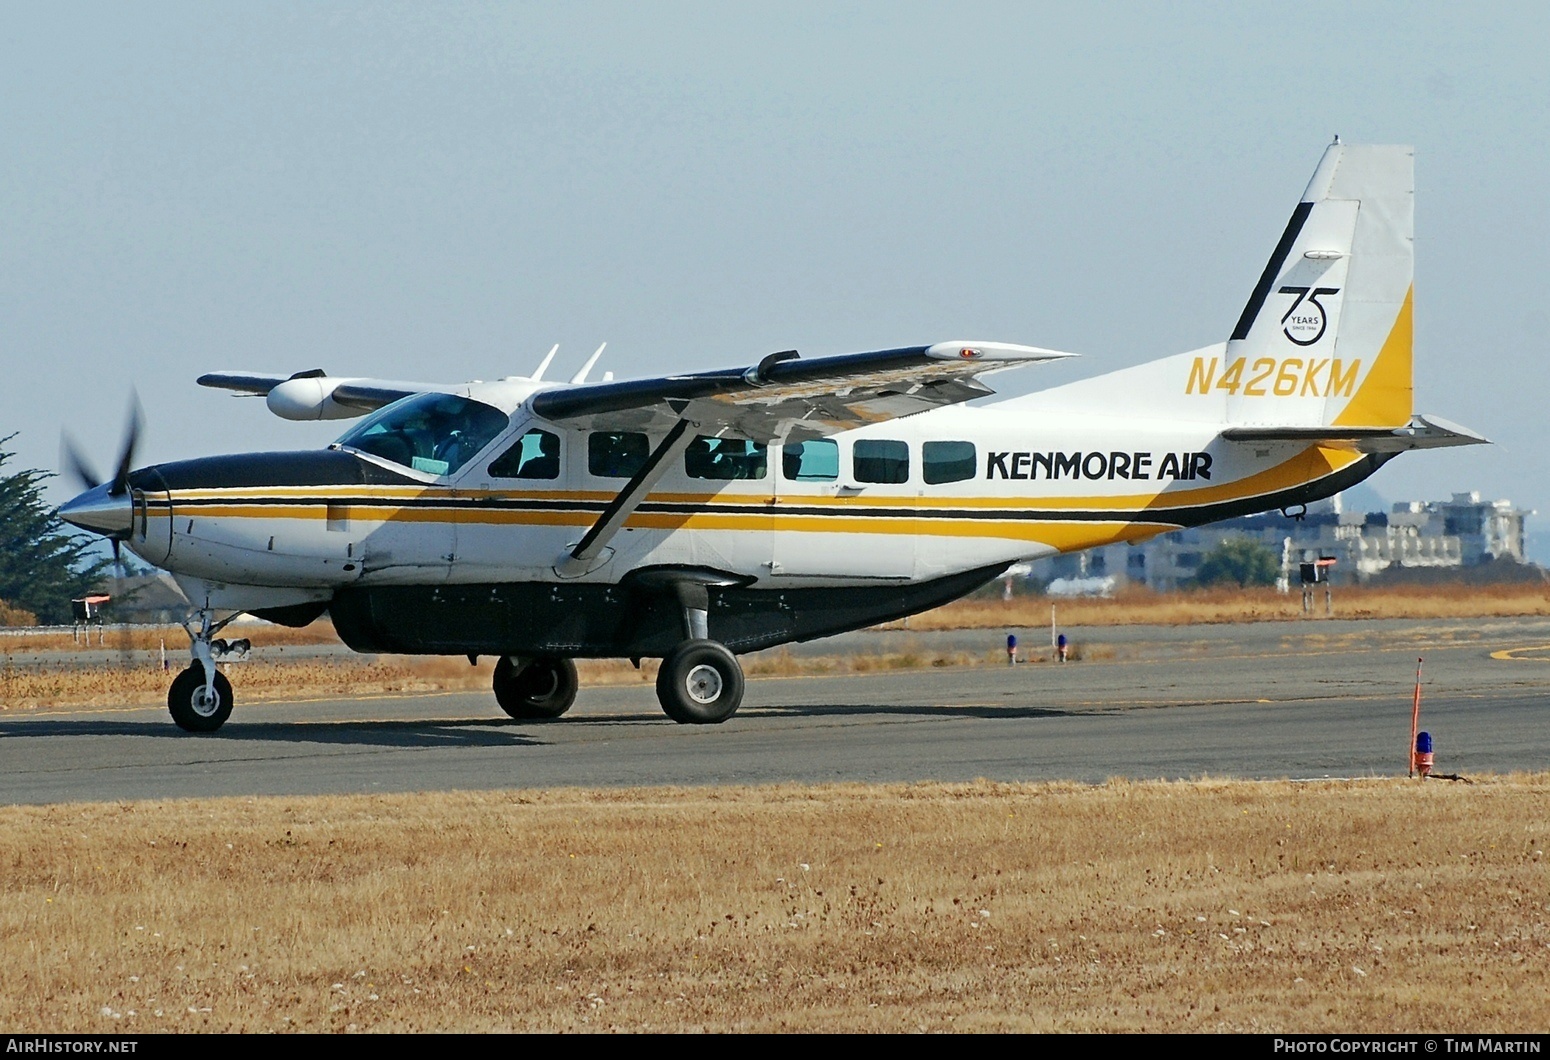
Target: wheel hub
x,y
704,684
203,703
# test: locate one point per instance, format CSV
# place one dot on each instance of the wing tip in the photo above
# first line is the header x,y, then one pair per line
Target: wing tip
x,y
967,350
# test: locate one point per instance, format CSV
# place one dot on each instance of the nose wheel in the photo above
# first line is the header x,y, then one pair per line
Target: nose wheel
x,y
200,697
197,705
700,683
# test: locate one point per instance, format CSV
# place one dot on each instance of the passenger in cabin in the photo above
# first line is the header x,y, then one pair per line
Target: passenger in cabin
x,y
547,463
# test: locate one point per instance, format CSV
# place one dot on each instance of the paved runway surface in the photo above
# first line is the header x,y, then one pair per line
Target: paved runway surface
x,y
1284,699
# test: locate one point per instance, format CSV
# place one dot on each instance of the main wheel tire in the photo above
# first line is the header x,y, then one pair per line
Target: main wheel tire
x,y
544,688
700,683
191,708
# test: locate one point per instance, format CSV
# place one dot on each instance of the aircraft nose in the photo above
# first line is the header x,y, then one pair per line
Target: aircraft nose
x,y
100,511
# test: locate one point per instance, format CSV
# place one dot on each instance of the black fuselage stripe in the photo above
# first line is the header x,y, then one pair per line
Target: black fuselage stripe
x,y
665,508
1175,515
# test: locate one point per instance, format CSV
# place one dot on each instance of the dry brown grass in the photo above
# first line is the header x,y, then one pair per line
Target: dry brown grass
x,y
274,679
1133,605
1377,906
1138,606
271,679
782,662
270,676
151,638
16,616
24,687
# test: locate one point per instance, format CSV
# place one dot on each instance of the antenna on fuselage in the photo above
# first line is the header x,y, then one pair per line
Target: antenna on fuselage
x,y
581,376
544,364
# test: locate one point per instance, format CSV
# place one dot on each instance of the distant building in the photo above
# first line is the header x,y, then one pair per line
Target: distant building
x,y
1462,532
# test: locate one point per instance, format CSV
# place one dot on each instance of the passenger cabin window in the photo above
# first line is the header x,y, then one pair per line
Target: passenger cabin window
x,y
817,460
875,460
433,433
725,458
536,455
616,454
948,461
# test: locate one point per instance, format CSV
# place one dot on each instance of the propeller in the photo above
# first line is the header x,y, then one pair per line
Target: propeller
x,y
106,511
101,513
82,468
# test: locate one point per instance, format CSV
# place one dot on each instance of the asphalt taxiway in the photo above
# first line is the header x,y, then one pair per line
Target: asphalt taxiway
x,y
1317,698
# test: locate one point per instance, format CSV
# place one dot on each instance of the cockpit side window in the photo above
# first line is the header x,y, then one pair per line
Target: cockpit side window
x,y
433,433
535,455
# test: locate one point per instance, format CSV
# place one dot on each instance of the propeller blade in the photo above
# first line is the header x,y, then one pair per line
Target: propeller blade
x,y
127,452
76,463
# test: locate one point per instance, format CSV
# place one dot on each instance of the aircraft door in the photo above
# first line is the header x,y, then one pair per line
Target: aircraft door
x,y
845,509
731,494
510,521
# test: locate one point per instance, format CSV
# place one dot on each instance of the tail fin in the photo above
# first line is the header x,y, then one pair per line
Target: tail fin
x,y
1326,336
1325,339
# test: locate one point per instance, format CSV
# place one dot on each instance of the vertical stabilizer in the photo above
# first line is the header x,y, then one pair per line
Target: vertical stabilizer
x,y
1325,338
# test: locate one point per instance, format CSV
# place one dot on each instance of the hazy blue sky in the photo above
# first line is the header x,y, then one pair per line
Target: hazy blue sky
x,y
443,191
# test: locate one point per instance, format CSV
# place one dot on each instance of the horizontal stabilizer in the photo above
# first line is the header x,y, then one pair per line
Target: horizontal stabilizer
x,y
1422,432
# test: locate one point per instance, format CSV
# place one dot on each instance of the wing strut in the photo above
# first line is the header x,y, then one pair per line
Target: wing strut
x,y
584,556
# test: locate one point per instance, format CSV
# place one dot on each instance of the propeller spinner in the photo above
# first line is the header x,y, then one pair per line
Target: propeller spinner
x,y
106,507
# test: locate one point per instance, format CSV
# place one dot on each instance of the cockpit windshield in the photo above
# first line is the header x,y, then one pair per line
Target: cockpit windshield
x,y
433,433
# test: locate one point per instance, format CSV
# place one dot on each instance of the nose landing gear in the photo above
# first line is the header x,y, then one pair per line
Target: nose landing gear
x,y
196,706
200,698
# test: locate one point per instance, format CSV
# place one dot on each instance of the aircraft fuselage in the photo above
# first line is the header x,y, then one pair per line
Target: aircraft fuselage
x,y
942,500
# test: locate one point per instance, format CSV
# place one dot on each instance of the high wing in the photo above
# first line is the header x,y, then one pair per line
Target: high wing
x,y
782,397
314,394
251,384
785,398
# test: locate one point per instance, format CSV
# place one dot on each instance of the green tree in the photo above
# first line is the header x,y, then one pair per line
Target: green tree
x,y
43,566
1241,561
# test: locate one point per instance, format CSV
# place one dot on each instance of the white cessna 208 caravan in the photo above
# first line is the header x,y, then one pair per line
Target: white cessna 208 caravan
x,y
693,517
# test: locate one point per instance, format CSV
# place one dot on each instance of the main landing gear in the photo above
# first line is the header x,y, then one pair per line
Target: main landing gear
x,y
539,688
701,682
